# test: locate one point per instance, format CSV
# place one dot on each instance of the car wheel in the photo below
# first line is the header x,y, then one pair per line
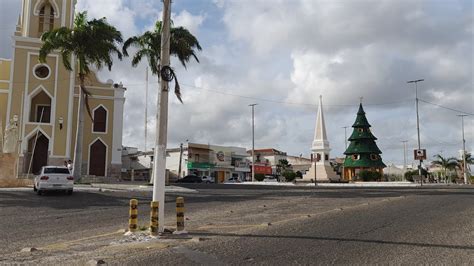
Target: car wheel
x,y
69,192
39,192
208,182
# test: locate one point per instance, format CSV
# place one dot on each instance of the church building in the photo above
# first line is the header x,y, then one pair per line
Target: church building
x,y
39,102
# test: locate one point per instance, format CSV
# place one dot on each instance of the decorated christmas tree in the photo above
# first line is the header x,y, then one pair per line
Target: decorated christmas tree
x,y
362,153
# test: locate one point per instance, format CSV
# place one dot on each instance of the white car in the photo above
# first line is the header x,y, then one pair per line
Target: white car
x,y
233,179
208,179
270,178
54,178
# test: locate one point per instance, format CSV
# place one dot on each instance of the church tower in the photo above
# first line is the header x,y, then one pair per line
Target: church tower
x,y
42,99
320,169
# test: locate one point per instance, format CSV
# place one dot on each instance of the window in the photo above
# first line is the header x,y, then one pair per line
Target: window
x,y
355,157
100,120
43,113
41,72
374,157
326,157
360,130
46,18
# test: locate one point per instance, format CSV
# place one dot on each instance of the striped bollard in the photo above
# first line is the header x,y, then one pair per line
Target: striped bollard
x,y
154,218
132,221
180,216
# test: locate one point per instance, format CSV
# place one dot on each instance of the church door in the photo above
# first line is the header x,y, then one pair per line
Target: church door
x,y
97,162
40,154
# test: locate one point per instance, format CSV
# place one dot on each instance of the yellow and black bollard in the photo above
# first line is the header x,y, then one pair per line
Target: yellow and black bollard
x,y
132,222
180,215
154,223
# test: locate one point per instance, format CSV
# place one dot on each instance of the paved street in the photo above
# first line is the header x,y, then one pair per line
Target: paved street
x,y
251,224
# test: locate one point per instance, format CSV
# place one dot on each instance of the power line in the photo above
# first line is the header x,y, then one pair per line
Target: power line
x,y
448,108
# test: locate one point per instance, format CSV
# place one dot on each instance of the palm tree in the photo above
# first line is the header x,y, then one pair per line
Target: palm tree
x,y
183,45
91,43
445,163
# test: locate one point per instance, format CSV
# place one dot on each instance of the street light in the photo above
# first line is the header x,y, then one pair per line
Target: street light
x,y
253,140
418,123
463,150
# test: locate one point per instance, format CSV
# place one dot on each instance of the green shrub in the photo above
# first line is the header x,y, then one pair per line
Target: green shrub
x,y
369,175
259,177
289,176
299,174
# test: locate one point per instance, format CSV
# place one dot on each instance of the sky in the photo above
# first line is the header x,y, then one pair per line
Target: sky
x,y
283,54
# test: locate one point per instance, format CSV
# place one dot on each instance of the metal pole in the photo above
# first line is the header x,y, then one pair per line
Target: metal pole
x,y
463,150
253,141
404,157
418,124
159,167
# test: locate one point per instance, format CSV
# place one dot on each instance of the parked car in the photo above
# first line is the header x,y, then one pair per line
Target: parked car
x,y
270,178
190,179
208,179
53,178
233,179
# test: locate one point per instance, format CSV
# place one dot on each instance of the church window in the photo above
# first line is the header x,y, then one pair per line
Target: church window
x,y
374,157
40,111
100,120
326,157
46,18
41,72
360,130
355,157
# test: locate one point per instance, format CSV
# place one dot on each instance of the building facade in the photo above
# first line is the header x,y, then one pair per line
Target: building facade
x,y
40,100
220,162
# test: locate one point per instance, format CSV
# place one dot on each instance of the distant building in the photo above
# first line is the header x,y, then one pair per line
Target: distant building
x,y
299,163
266,160
219,162
136,165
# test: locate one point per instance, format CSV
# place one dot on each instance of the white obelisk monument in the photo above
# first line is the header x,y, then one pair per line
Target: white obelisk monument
x,y
320,150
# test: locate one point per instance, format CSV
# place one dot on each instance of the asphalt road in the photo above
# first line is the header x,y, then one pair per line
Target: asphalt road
x,y
342,226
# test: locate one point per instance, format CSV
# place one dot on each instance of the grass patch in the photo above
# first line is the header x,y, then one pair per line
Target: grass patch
x,y
13,182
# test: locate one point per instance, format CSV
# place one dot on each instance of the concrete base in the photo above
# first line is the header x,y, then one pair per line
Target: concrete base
x,y
115,170
7,165
324,173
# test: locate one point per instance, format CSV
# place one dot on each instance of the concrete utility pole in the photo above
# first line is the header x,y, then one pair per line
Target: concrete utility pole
x,y
159,167
146,108
404,157
418,124
180,158
464,170
253,141
345,136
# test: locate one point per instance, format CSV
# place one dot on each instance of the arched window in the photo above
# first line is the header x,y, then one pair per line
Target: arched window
x,y
100,120
46,18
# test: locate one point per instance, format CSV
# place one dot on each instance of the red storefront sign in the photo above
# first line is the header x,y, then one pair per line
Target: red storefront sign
x,y
266,170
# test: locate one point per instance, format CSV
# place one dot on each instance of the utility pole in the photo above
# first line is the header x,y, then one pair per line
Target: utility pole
x,y
159,167
180,158
464,170
404,157
253,141
418,124
146,107
345,136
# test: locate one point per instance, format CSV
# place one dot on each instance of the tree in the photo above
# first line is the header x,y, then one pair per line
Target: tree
x,y
88,43
183,45
469,161
445,163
